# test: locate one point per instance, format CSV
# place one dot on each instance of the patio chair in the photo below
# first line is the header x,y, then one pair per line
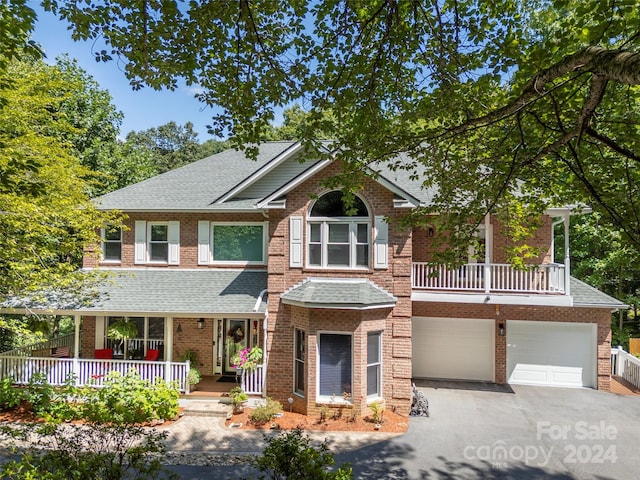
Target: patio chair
x,y
103,353
152,355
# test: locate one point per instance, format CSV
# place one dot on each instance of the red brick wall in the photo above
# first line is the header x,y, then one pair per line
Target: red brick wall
x,y
423,245
188,237
87,340
396,322
502,313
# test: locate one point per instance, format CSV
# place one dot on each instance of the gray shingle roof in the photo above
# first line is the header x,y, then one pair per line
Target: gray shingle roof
x,y
179,291
195,186
587,296
338,293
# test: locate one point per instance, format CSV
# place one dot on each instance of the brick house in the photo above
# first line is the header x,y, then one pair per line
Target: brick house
x,y
227,253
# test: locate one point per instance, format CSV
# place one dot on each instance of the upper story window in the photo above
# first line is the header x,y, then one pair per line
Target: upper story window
x,y
158,242
238,243
338,236
112,244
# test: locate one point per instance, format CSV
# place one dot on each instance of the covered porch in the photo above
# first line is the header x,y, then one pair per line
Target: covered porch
x,y
183,320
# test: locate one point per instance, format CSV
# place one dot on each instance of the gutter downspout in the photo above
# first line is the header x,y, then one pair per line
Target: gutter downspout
x,y
264,340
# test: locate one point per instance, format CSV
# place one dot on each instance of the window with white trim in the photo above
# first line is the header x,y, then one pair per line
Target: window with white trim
x,y
374,365
299,346
158,242
112,244
335,359
242,243
339,235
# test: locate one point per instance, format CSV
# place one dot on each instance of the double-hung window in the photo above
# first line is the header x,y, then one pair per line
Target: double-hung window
x,y
158,242
335,358
339,235
299,359
111,244
374,365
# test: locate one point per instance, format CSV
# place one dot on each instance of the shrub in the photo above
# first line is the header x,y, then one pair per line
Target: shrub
x,y
10,396
97,452
237,396
52,402
127,399
377,410
291,456
262,414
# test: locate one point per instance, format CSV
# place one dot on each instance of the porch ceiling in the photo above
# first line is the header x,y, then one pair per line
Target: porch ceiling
x,y
149,291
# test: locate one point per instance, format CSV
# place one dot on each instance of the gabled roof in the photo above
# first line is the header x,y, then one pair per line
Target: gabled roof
x,y
164,292
229,181
338,293
195,186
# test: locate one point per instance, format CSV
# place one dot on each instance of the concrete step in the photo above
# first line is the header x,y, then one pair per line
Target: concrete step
x,y
206,408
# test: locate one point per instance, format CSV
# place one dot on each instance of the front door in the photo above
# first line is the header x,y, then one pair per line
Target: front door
x,y
235,339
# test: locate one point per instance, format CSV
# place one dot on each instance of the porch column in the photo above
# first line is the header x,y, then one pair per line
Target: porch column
x,y
76,349
168,349
566,218
487,253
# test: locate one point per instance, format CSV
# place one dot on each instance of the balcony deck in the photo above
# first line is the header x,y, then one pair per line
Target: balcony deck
x,y
490,278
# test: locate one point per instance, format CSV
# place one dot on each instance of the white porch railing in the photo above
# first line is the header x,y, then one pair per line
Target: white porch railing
x,y
253,382
40,348
494,277
626,366
88,371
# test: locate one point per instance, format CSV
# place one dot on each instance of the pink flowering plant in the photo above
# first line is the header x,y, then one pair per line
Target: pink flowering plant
x,y
247,359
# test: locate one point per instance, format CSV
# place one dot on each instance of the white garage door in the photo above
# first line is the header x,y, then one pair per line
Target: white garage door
x,y
455,348
551,353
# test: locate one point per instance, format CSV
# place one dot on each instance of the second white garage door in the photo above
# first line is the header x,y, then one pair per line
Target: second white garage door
x,y
453,348
551,353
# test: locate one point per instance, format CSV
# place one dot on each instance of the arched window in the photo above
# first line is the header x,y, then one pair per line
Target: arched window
x,y
339,234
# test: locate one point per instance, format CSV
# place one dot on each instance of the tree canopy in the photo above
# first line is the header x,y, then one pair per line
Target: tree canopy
x,y
46,216
503,104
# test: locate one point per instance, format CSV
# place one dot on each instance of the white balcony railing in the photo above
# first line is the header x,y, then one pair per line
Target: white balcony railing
x,y
89,372
493,277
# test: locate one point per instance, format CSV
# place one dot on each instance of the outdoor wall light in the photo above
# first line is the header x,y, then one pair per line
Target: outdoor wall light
x,y
431,232
501,329
179,329
201,324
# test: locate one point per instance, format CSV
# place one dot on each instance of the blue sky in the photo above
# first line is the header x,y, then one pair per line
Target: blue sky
x,y
142,109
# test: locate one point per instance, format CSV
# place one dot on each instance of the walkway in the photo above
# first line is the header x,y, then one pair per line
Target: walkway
x,y
200,440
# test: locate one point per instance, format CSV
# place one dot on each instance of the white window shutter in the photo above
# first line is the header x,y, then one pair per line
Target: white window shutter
x,y
204,249
295,242
173,235
141,242
381,243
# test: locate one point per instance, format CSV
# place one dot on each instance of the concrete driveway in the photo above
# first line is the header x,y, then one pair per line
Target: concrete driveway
x,y
482,431
479,431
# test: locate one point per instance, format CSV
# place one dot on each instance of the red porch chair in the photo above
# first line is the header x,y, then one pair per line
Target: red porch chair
x,y
152,355
103,353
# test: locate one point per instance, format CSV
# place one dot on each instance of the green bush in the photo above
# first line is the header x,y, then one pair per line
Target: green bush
x,y
291,456
128,399
52,402
262,414
98,452
10,396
